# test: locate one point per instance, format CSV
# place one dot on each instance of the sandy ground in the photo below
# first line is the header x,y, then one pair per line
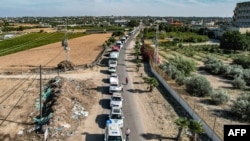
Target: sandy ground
x,y
160,113
83,50
18,94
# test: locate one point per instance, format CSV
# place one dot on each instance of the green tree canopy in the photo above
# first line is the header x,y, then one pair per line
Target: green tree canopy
x,y
233,40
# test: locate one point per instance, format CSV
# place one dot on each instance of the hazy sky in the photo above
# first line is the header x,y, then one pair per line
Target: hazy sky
x,y
16,8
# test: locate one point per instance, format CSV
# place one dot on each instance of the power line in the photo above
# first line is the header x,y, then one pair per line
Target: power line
x,y
65,41
14,89
16,103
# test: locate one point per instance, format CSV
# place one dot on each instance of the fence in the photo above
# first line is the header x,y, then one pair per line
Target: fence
x,y
212,128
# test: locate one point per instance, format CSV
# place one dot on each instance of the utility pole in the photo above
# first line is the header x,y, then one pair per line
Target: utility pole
x,y
41,113
156,45
65,41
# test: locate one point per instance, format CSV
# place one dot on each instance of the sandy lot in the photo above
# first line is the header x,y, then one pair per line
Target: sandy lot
x,y
83,50
18,95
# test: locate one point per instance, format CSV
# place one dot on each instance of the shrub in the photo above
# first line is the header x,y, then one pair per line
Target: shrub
x,y
198,86
108,43
214,65
180,80
220,97
239,83
244,61
234,70
112,39
104,45
185,66
246,76
241,107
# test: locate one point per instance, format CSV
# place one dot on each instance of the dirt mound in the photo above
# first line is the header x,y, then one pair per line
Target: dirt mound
x,y
66,65
64,108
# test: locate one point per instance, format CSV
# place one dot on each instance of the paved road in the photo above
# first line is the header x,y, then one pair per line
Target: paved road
x,y
132,118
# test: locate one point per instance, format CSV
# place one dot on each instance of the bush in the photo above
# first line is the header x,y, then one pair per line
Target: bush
x,y
220,97
234,70
112,39
241,107
244,61
214,65
108,43
198,86
185,66
118,33
246,76
180,80
239,83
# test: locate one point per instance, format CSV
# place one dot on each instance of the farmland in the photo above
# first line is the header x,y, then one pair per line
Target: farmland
x,y
214,115
83,50
32,40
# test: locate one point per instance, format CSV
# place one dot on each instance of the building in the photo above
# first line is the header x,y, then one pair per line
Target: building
x,y
241,17
121,22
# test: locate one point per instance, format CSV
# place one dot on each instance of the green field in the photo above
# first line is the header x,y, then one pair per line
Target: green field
x,y
32,40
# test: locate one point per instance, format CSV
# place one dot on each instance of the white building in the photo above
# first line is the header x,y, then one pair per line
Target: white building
x,y
241,17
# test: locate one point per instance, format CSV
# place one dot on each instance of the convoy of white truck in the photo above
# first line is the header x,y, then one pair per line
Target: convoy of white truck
x,y
114,124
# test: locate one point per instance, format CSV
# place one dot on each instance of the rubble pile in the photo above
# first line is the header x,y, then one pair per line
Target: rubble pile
x,y
66,105
65,65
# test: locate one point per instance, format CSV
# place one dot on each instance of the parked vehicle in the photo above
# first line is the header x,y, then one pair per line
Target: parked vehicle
x,y
123,40
126,36
112,63
114,78
112,69
115,48
119,43
114,55
116,100
113,132
116,116
115,87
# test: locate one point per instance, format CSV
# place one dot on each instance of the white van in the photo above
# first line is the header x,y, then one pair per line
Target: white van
x,y
113,132
119,43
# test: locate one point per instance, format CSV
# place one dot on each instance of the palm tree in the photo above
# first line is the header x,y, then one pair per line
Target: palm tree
x,y
181,122
137,53
196,128
138,65
152,82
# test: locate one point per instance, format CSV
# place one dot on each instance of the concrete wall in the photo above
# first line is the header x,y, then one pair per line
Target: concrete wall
x,y
182,102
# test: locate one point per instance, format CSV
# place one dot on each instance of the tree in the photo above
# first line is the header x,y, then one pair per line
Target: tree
x,y
152,82
182,123
137,53
138,65
196,128
133,23
233,40
112,39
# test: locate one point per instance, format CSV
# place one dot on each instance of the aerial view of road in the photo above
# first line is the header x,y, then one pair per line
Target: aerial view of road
x,y
132,118
124,70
